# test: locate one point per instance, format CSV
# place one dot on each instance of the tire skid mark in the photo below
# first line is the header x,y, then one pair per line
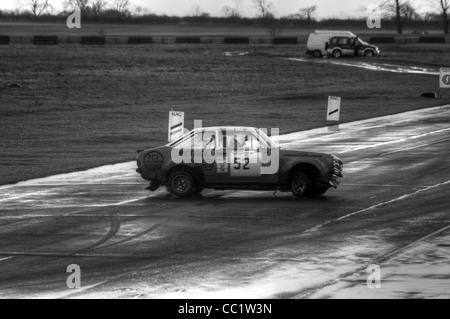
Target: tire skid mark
x,y
378,261
130,238
113,230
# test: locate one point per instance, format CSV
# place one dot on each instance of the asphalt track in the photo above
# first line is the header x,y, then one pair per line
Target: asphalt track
x,y
131,243
372,66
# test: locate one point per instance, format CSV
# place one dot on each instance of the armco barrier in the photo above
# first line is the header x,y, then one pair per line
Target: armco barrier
x,y
4,39
236,40
140,40
45,40
188,40
92,40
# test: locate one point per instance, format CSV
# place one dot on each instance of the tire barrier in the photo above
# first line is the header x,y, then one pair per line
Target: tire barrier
x,y
140,40
111,40
432,95
432,40
4,39
93,40
285,40
236,40
45,40
188,40
382,39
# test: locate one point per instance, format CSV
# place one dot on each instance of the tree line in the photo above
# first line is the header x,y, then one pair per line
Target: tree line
x,y
397,12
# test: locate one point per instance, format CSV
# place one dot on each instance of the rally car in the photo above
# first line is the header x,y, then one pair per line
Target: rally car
x,y
238,158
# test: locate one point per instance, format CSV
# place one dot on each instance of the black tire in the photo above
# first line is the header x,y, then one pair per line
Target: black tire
x,y
317,54
319,191
369,53
181,184
337,54
301,184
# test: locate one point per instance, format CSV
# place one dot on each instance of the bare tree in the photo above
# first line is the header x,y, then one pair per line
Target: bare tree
x,y
308,13
196,11
395,9
139,11
265,8
444,7
37,7
233,12
122,6
72,5
98,6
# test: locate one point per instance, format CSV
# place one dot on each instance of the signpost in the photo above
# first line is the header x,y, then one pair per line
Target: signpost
x,y
176,125
334,108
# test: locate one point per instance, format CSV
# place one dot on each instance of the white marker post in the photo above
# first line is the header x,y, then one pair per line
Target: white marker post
x,y
176,125
334,108
444,79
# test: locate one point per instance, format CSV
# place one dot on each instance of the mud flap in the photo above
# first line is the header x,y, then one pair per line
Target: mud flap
x,y
154,185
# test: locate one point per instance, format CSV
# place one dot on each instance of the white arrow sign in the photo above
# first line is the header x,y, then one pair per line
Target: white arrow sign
x,y
334,108
444,79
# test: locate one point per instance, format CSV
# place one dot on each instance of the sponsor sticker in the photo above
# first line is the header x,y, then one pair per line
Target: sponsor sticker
x,y
153,161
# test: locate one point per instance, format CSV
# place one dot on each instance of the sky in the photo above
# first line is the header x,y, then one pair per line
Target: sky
x,y
326,8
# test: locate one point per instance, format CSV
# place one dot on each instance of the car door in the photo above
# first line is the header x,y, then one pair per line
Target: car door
x,y
241,164
345,44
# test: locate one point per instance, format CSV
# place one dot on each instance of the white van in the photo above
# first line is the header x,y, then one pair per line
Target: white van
x,y
319,41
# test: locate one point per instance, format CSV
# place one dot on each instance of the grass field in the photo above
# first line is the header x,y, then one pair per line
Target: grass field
x,y
84,106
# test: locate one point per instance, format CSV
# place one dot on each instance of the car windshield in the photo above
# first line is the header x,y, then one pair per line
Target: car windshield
x,y
267,139
197,138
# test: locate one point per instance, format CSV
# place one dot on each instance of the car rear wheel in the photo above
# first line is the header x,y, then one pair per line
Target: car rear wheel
x,y
337,53
317,54
181,184
300,184
369,53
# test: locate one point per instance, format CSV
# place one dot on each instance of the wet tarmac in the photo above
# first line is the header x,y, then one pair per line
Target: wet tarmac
x,y
373,66
391,210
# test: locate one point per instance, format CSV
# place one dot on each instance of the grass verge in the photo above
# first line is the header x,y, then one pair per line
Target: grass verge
x,y
80,107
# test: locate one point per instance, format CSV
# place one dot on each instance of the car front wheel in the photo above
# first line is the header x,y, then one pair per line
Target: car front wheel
x,y
300,184
181,184
369,53
337,53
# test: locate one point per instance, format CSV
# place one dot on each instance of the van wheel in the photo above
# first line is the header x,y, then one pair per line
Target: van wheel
x,y
181,184
317,54
337,53
369,53
300,184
